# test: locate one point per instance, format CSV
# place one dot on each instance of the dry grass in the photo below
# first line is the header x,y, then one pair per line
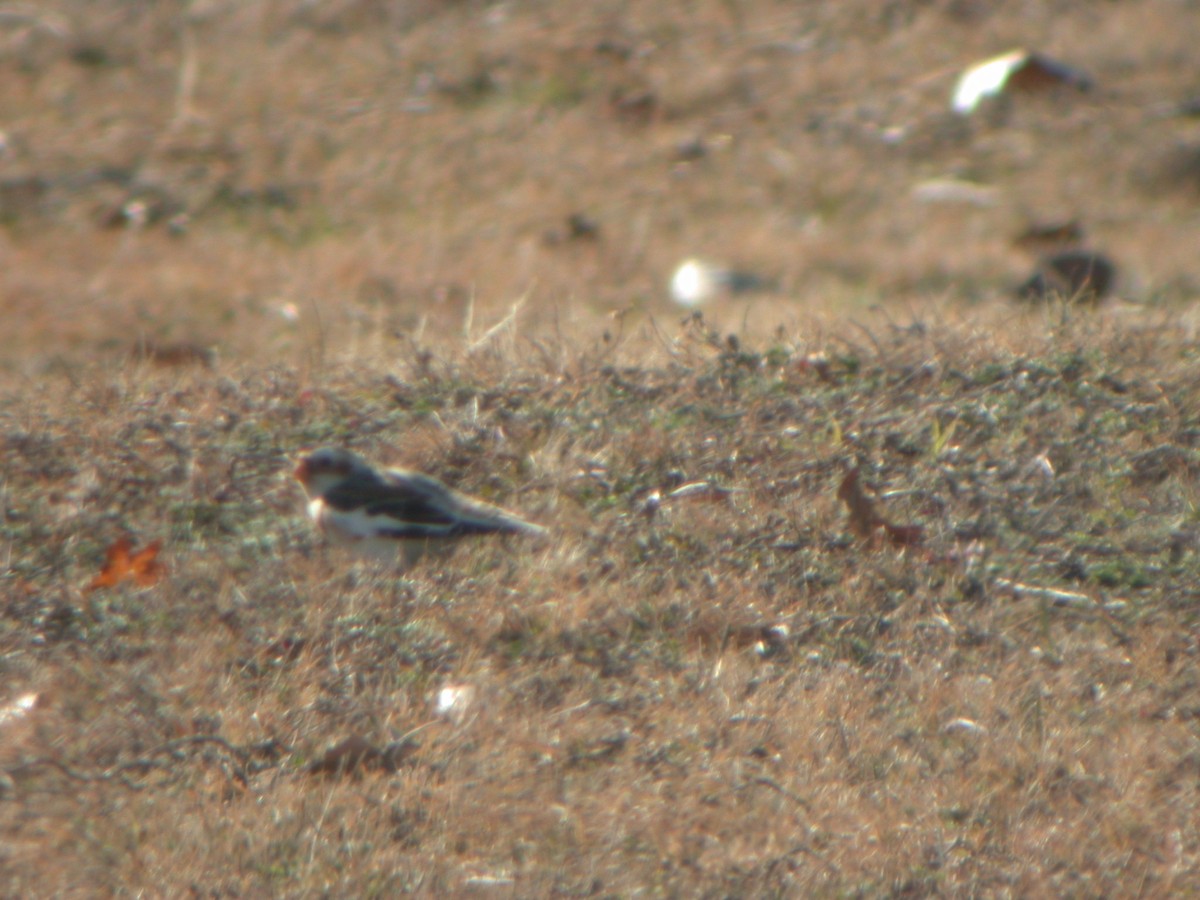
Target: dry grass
x,y
363,207
715,695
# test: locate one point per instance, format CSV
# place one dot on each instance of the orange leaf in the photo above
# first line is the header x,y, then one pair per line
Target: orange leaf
x,y
865,519
346,756
121,563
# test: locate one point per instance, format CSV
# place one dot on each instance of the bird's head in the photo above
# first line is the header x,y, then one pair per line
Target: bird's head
x,y
319,470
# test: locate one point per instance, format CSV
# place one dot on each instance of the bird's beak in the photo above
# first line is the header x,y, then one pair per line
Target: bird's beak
x,y
300,473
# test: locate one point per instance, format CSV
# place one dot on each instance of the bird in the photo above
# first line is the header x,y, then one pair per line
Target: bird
x,y
392,513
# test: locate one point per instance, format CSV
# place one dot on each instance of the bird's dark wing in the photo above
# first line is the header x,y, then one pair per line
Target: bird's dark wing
x,y
417,506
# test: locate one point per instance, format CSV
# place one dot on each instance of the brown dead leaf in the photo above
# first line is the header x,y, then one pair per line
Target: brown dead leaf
x,y
346,756
867,522
122,563
356,752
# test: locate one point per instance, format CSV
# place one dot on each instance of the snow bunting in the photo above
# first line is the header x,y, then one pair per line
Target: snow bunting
x,y
383,513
